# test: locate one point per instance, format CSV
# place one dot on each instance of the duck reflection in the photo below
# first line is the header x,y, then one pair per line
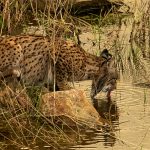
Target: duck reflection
x,y
108,110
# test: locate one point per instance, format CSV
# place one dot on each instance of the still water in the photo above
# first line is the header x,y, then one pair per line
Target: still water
x,y
130,115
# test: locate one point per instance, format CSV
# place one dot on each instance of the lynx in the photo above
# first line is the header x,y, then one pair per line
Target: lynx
x,y
42,60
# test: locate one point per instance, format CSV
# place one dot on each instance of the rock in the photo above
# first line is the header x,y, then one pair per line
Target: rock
x,y
70,108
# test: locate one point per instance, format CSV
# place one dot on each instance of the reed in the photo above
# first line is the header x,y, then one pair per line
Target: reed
x,y
26,127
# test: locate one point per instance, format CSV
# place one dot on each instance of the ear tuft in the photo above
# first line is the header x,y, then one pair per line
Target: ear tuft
x,y
105,54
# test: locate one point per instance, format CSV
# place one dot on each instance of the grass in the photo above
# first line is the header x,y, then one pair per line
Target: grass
x,y
22,125
27,127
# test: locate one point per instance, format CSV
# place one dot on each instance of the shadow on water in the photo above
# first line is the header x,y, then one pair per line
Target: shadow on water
x,y
108,110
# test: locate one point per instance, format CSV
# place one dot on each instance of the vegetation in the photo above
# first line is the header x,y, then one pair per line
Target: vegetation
x,y
25,127
22,125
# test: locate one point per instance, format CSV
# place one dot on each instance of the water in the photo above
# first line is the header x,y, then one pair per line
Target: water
x,y
130,115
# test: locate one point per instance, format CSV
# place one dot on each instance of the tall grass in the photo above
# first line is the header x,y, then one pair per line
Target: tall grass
x,y
128,38
20,117
139,42
22,125
54,16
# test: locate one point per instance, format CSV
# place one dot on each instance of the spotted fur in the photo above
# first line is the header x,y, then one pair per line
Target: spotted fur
x,y
41,59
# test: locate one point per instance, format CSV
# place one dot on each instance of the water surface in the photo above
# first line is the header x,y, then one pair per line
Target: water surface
x,y
130,115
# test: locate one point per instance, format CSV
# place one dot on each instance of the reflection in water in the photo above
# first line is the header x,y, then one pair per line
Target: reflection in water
x,y
109,111
109,139
129,115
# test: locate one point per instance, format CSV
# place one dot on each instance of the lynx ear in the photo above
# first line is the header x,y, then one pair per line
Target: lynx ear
x,y
105,54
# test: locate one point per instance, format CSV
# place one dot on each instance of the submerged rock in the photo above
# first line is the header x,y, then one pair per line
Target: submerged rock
x,y
70,108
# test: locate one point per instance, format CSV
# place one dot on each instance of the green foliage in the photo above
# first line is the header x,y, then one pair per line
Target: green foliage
x,y
34,93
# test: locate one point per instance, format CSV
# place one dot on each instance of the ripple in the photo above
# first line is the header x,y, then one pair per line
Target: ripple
x,y
126,93
131,105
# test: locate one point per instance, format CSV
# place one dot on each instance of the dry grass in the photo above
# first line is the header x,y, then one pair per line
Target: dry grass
x,y
54,17
25,125
22,125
